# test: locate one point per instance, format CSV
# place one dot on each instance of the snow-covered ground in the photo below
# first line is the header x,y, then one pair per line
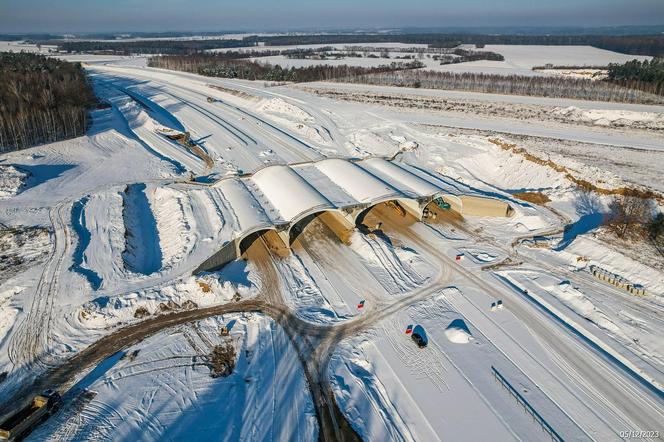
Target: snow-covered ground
x,y
162,389
391,390
110,229
519,59
21,46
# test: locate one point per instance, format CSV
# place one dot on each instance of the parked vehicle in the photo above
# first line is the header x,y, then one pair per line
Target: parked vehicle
x,y
27,418
442,203
419,340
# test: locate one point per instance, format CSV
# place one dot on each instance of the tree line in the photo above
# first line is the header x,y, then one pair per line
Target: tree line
x,y
214,65
42,100
629,44
148,46
543,86
647,75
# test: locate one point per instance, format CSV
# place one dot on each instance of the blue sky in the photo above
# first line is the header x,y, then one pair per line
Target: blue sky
x,y
198,15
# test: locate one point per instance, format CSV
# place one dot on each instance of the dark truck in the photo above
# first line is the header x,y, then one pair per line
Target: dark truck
x,y
27,418
419,340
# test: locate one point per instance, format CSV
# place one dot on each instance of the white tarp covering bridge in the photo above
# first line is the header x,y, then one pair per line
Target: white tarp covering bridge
x,y
277,198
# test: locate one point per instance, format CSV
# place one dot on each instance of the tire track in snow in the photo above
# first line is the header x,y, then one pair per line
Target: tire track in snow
x,y
29,344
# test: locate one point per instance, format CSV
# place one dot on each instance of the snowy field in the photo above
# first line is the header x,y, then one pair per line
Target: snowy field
x,y
105,231
519,59
20,46
163,389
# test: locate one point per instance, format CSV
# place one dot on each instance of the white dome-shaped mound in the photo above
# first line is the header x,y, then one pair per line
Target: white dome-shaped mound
x,y
458,332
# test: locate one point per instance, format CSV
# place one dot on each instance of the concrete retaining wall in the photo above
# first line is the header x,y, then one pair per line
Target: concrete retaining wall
x,y
227,254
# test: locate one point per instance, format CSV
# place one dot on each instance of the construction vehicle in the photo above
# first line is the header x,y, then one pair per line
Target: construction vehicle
x,y
428,214
184,138
442,203
396,207
23,421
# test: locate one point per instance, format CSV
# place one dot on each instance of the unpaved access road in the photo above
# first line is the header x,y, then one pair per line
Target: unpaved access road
x,y
314,343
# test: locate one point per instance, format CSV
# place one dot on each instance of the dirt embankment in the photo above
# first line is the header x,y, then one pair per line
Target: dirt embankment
x,y
584,184
532,197
237,93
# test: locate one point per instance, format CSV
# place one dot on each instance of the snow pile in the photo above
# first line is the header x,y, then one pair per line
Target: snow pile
x,y
506,170
12,180
573,298
280,106
151,135
404,144
294,118
611,117
191,292
458,333
482,256
175,223
528,223
103,220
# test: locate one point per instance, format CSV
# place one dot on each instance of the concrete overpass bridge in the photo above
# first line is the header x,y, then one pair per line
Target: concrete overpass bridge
x,y
278,202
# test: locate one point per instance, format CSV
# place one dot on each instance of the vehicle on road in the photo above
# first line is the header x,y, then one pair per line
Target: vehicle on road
x,y
23,421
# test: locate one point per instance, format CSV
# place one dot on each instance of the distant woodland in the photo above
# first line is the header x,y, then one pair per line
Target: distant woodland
x,y
634,82
148,46
628,44
217,65
647,75
42,100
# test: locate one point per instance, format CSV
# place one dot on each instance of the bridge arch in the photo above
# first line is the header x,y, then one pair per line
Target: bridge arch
x,y
244,242
455,203
407,206
334,219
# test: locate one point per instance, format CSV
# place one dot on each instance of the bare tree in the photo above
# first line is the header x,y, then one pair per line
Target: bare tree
x,y
629,215
41,100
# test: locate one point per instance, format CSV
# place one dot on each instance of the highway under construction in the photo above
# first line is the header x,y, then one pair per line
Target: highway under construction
x,y
289,212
